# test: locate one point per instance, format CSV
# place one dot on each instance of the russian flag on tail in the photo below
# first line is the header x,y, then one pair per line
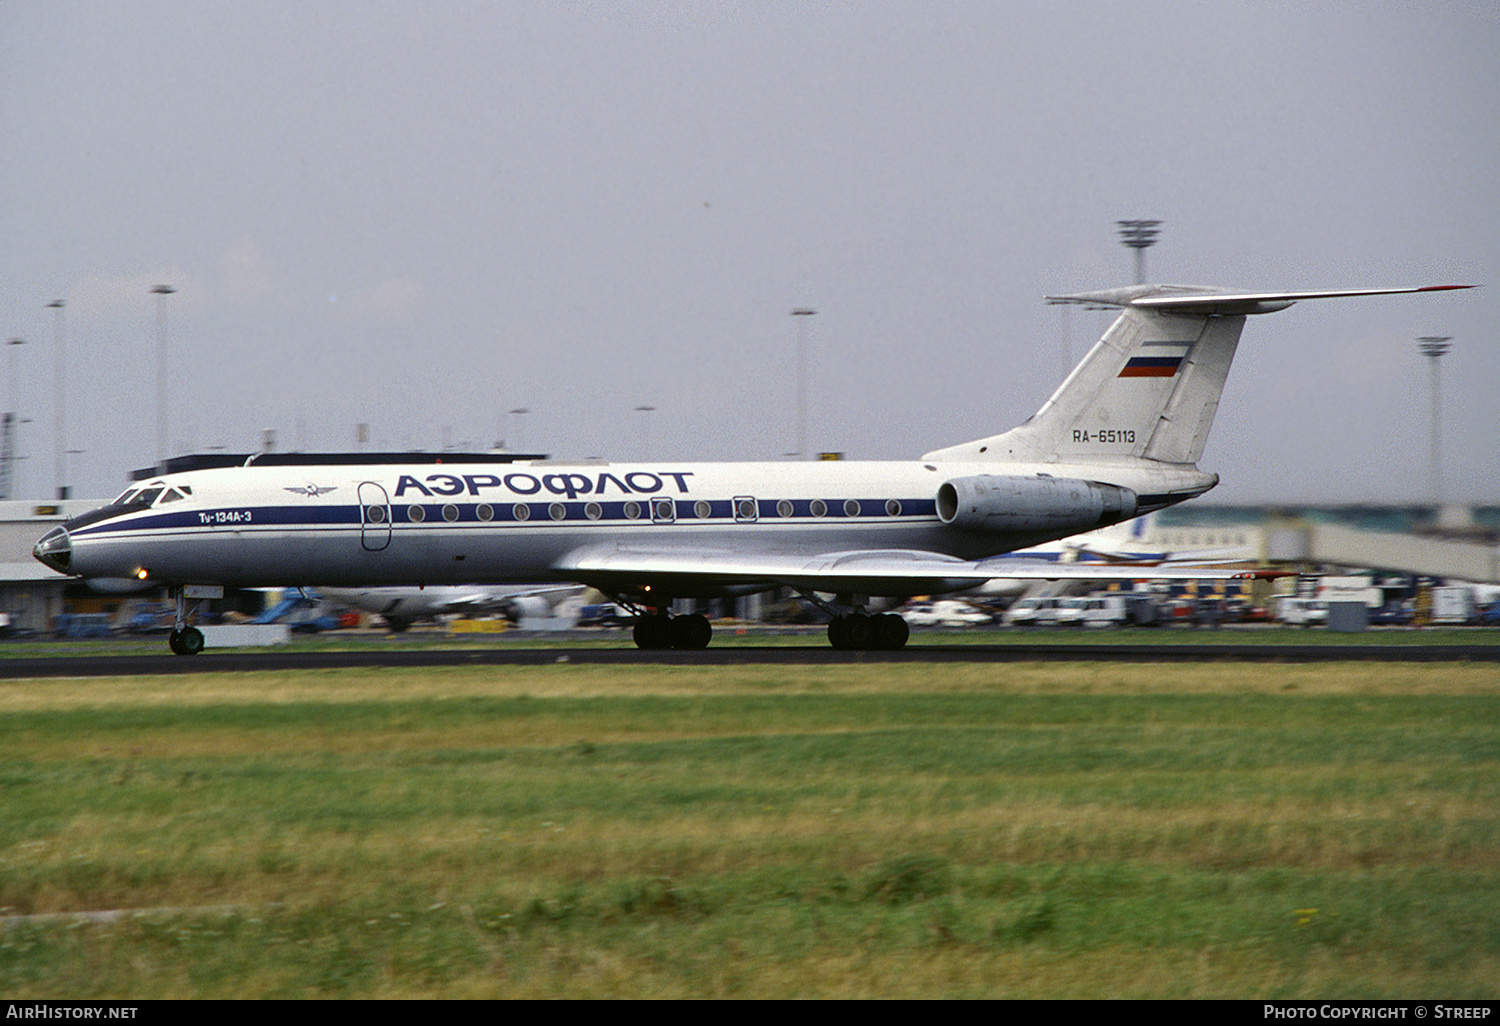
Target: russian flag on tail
x,y
1162,363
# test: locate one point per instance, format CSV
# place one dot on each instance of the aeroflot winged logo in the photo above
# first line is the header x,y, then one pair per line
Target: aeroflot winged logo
x,y
312,491
1158,360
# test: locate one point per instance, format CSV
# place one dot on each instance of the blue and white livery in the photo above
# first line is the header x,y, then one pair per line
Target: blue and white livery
x,y
1119,438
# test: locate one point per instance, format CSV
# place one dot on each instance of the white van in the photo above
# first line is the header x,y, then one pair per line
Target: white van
x,y
1301,612
1034,612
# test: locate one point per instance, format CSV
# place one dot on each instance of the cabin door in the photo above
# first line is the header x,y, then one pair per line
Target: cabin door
x,y
374,516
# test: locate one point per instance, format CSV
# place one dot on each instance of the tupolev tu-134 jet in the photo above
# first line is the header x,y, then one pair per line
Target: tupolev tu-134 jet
x,y
1119,438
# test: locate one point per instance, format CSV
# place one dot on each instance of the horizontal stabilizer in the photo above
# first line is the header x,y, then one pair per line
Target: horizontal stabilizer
x,y
1199,301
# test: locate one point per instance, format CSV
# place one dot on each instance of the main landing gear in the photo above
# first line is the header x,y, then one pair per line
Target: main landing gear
x,y
857,631
661,631
885,632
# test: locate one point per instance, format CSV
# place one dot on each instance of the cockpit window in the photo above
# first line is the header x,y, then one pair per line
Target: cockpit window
x,y
156,492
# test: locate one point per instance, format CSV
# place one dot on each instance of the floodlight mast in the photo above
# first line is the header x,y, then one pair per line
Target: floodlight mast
x,y
645,411
9,429
59,414
802,313
1139,236
1434,347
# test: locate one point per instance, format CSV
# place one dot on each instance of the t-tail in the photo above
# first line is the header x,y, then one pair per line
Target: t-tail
x,y
1149,389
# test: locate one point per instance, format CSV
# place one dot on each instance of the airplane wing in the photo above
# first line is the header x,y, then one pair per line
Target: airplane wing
x,y
894,572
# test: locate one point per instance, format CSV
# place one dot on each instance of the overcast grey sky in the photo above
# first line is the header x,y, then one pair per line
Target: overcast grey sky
x,y
423,215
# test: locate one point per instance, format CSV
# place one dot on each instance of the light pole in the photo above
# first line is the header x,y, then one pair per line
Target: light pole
x,y
1139,236
13,344
802,313
9,430
59,446
645,412
520,414
161,292
1433,347
66,454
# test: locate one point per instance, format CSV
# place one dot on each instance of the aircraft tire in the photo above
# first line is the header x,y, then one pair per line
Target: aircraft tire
x,y
861,631
858,631
188,641
691,632
891,632
852,632
652,632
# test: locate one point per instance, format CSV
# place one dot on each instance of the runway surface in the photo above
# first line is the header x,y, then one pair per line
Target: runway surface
x,y
512,654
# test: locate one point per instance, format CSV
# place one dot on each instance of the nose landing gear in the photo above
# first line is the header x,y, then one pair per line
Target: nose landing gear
x,y
185,639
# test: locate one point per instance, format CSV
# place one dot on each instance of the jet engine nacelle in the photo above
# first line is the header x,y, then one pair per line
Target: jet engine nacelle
x,y
992,502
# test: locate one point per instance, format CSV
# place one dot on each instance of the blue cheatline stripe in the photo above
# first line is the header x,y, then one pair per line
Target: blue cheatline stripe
x,y
239,516
254,518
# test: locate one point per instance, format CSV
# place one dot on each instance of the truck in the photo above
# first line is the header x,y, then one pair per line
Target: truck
x,y
1453,604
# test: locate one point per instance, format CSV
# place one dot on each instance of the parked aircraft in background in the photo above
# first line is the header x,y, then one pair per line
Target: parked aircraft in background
x,y
402,606
1126,544
1120,437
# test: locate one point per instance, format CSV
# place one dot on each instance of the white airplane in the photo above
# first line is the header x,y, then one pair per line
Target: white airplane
x,y
1120,437
1123,544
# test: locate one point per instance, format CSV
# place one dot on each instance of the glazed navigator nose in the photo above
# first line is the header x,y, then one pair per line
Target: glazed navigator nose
x,y
55,549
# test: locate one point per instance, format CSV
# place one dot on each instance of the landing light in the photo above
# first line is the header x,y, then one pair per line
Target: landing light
x,y
142,573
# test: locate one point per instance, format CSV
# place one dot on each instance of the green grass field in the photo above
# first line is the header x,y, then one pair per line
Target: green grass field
x,y
1004,830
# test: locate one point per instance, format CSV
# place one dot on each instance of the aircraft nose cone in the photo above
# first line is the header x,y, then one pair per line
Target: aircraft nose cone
x,y
55,549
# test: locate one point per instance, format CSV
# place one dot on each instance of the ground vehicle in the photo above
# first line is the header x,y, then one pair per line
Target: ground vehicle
x,y
1302,612
1097,611
1040,611
603,614
944,613
1453,604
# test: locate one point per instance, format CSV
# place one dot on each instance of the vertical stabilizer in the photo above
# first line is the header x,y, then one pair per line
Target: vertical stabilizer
x,y
1150,387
